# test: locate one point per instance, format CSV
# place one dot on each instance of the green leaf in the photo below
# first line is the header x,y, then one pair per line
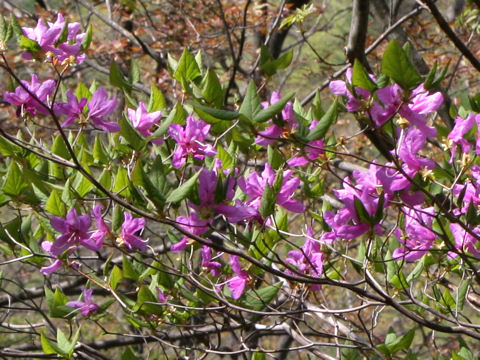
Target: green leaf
x,y
3,28
134,75
187,68
360,77
99,153
29,45
145,295
362,213
251,103
397,65
183,190
117,79
462,294
87,40
14,183
402,342
17,29
258,356
275,158
270,112
122,183
258,299
157,100
212,90
269,199
63,35
82,92
48,347
9,149
82,185
63,344
324,123
216,113
55,205
176,116
430,77
115,276
134,139
129,270
129,355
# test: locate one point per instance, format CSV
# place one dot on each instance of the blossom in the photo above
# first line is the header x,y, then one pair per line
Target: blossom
x,y
273,132
237,283
308,260
73,108
74,229
209,186
354,101
191,224
414,109
97,236
47,37
87,306
464,241
207,263
412,143
143,121
190,141
128,235
417,238
28,103
100,107
256,184
313,150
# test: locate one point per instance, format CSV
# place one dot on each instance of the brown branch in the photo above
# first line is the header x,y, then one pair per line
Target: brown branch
x,y
451,34
358,33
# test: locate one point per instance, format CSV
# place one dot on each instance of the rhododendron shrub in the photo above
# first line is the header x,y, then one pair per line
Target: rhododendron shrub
x,y
191,224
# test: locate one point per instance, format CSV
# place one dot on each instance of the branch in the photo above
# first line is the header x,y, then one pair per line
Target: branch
x,y
358,33
451,34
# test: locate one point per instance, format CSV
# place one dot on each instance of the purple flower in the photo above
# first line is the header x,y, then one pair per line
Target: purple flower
x,y
354,102
97,236
191,224
72,108
130,227
464,241
313,150
237,283
417,238
274,132
308,260
47,38
74,229
143,121
415,109
100,107
412,143
161,296
255,186
87,306
25,101
190,140
212,266
462,126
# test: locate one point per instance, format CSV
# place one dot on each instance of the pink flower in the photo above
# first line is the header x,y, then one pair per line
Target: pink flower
x,y
143,121
273,132
47,38
464,241
190,141
99,107
417,238
25,101
130,227
191,224
87,306
308,260
72,108
212,266
313,150
237,283
74,229
255,186
412,143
